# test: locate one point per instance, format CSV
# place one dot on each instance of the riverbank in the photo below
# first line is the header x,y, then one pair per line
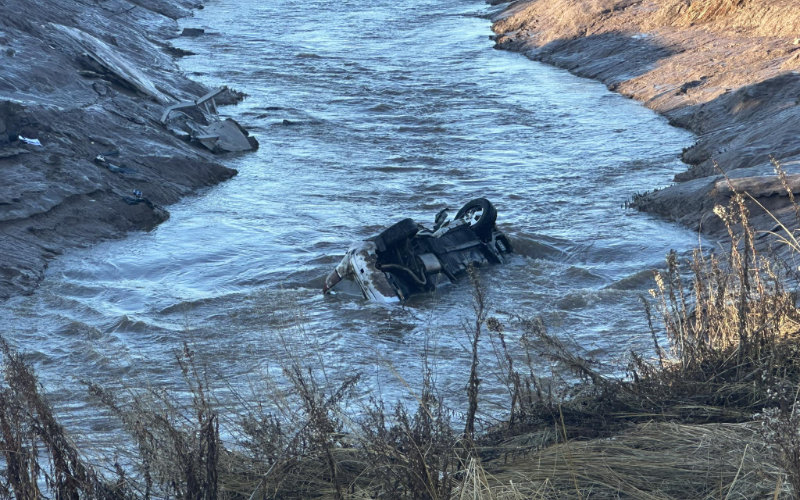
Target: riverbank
x,y
727,70
61,106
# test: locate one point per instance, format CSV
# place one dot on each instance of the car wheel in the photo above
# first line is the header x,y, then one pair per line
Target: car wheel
x,y
396,233
481,216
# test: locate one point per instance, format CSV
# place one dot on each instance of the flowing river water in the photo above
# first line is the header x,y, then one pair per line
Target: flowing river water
x,y
367,112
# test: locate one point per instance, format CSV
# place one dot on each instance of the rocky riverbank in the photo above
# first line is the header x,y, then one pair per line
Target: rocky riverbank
x,y
78,80
728,70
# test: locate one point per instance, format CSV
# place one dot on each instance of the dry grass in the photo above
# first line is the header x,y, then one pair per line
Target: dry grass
x,y
649,461
177,449
681,425
733,332
37,451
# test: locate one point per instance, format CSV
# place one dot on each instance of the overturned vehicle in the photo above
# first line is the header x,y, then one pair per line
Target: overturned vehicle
x,y
407,258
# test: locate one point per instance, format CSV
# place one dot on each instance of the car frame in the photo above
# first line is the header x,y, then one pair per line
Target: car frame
x,y
408,259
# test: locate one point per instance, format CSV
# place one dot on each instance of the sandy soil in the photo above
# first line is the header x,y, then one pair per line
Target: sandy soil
x,y
53,195
729,70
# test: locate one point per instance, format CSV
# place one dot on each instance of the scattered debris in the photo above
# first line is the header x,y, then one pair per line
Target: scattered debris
x,y
139,198
117,169
198,121
32,142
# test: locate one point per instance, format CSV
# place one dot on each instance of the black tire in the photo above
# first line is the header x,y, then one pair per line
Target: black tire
x,y
484,223
396,233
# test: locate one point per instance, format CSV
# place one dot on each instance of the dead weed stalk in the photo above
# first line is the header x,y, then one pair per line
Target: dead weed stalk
x,y
178,447
36,448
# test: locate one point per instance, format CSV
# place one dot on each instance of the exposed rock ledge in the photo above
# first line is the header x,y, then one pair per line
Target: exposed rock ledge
x,y
53,89
725,69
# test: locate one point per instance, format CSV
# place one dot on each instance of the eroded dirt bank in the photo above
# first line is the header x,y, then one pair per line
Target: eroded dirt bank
x,y
725,69
60,108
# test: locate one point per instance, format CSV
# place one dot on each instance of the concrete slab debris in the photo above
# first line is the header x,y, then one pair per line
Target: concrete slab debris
x,y
198,121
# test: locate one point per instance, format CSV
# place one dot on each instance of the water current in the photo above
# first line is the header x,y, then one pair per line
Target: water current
x,y
367,112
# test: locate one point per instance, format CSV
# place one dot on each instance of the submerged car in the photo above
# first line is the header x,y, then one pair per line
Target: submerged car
x,y
407,258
